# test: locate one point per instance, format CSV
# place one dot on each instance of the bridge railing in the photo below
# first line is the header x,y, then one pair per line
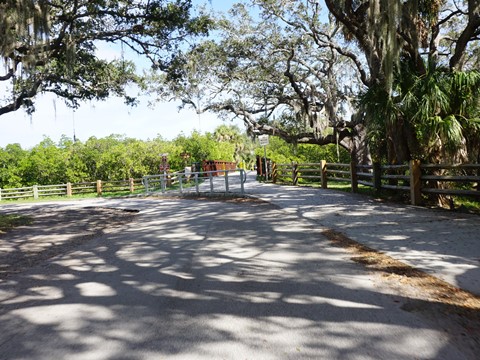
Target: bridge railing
x,y
216,181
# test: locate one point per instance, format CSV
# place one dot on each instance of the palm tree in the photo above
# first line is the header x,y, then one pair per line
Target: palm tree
x,y
243,144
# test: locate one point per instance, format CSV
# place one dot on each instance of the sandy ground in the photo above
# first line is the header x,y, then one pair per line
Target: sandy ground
x,y
53,231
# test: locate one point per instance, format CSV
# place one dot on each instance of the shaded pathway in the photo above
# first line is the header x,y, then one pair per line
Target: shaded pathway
x,y
442,243
210,280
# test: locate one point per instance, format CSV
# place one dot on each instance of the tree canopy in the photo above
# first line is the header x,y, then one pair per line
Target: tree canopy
x,y
271,72
421,95
398,76
394,80
51,46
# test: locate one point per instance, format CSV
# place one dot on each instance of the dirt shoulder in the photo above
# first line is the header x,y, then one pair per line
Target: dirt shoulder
x,y
454,310
54,231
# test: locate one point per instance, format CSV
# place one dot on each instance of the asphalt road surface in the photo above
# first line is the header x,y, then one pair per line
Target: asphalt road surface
x,y
210,280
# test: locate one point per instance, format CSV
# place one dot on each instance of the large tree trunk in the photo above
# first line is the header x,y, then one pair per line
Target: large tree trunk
x,y
398,149
357,146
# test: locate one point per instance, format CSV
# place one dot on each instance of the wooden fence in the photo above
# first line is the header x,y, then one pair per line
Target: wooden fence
x,y
99,187
414,178
210,168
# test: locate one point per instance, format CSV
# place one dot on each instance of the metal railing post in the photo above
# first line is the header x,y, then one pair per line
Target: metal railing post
x,y
210,176
196,183
243,178
180,181
226,182
162,182
145,183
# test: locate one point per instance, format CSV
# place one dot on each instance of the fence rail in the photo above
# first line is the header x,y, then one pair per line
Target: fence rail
x,y
227,180
91,187
415,178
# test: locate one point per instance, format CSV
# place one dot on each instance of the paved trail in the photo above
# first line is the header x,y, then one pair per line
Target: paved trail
x,y
210,280
442,243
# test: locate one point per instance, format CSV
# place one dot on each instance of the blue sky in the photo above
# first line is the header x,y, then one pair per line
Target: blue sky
x,y
53,119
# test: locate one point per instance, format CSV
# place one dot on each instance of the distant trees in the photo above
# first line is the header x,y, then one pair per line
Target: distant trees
x,y
112,158
12,158
117,157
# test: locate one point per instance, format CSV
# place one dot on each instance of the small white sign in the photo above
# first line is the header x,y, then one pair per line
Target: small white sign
x,y
263,139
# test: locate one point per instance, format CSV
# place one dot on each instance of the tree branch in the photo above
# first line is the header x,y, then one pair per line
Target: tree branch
x,y
20,99
470,31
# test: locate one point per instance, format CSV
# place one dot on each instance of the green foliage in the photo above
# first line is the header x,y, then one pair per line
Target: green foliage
x,y
270,66
201,147
280,152
11,159
117,157
45,164
442,107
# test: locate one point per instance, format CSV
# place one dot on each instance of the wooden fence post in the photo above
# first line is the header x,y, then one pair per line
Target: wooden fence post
x,y
69,189
99,187
353,176
274,172
415,182
35,191
294,173
131,185
377,176
323,173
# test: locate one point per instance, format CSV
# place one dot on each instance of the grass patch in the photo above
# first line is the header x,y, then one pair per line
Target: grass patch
x,y
10,221
466,204
106,194
362,189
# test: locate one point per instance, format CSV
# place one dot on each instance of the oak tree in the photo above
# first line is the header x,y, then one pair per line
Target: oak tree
x,y
51,46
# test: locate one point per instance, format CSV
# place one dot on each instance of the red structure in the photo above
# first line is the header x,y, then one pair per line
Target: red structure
x,y
214,165
261,171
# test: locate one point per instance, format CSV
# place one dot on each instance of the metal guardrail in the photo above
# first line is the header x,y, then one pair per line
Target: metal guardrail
x,y
232,181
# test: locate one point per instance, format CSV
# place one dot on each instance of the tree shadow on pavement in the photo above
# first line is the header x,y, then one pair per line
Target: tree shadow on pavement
x,y
195,280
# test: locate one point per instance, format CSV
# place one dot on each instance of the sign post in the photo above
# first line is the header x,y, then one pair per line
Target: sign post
x,y
263,139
